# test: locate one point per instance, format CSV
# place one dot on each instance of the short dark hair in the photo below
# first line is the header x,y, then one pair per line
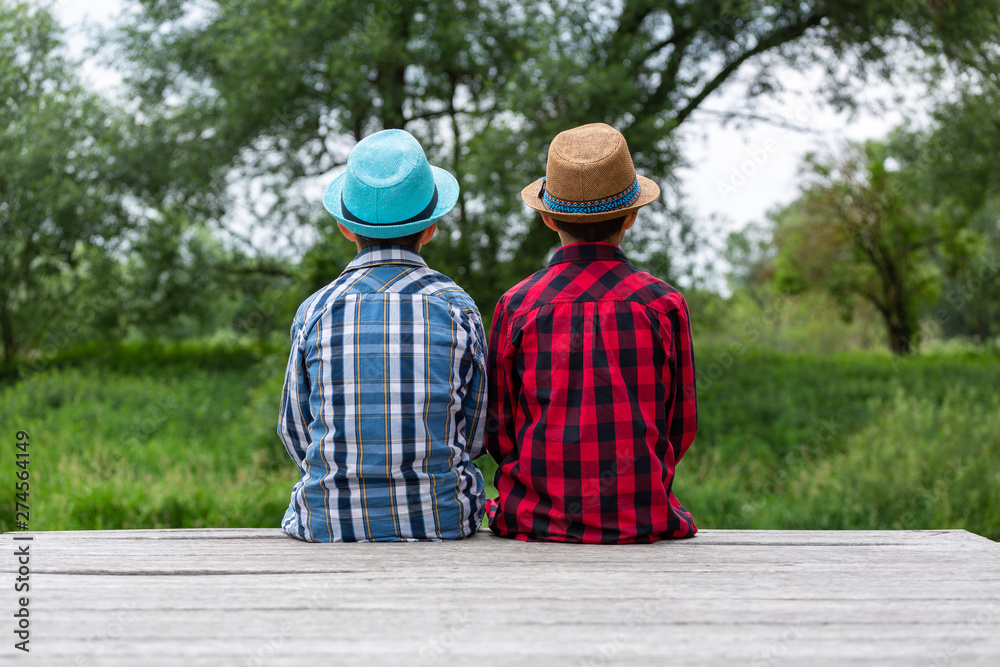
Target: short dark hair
x,y
591,231
410,240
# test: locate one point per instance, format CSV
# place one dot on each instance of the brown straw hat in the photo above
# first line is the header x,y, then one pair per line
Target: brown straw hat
x,y
589,177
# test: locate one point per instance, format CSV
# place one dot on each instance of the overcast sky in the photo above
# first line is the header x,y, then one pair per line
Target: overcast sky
x,y
736,174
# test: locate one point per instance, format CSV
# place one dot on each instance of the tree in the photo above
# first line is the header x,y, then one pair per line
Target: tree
x,y
958,164
750,255
62,190
857,231
281,90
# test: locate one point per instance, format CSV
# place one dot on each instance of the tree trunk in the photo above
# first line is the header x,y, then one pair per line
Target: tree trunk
x,y
7,334
900,331
981,326
391,80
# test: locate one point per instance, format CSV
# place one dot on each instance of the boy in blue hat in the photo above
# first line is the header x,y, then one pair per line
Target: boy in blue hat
x,y
385,387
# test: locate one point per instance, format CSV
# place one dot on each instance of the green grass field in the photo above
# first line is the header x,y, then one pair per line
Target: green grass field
x,y
185,437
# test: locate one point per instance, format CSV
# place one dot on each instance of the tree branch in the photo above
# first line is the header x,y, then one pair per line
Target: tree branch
x,y
775,39
668,83
778,122
634,12
427,115
676,38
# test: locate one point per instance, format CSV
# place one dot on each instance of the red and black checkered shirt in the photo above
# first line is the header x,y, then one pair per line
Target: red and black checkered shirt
x,y
591,402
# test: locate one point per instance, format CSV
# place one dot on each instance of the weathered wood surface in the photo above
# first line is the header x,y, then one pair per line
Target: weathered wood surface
x,y
726,597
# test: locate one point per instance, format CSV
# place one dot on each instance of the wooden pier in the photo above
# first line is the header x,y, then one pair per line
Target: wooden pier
x,y
726,597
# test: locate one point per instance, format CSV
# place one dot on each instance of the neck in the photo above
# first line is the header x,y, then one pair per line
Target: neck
x,y
415,248
615,240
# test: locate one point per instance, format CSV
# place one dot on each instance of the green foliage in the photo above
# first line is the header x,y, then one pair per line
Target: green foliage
x,y
750,253
761,316
64,186
164,438
279,92
858,231
179,280
108,222
151,440
958,170
917,240
922,463
221,352
93,246
109,210
859,441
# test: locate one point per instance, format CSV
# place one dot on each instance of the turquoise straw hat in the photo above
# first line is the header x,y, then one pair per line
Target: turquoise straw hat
x,y
389,189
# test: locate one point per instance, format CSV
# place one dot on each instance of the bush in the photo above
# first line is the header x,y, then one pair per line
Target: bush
x,y
804,441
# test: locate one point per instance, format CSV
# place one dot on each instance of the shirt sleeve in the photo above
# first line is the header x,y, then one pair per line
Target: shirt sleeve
x,y
295,414
684,406
500,434
474,405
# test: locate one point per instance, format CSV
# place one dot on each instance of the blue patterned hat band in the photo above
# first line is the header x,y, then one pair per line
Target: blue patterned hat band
x,y
623,199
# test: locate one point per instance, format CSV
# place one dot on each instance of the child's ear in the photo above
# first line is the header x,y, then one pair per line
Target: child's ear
x,y
630,220
428,234
549,222
348,234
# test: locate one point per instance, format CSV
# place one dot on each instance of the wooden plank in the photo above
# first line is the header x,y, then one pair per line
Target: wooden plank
x,y
719,537
257,597
271,551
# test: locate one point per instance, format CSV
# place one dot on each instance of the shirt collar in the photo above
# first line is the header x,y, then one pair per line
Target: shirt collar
x,y
378,255
588,252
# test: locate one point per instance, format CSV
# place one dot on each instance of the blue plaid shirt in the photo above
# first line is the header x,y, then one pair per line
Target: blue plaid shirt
x,y
383,403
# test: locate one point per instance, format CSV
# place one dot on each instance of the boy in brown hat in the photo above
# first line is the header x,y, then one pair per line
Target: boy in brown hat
x,y
591,374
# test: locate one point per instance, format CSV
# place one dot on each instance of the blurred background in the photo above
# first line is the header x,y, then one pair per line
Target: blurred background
x,y
831,211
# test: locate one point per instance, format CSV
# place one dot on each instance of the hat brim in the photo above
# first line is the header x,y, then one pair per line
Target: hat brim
x,y
447,188
648,193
